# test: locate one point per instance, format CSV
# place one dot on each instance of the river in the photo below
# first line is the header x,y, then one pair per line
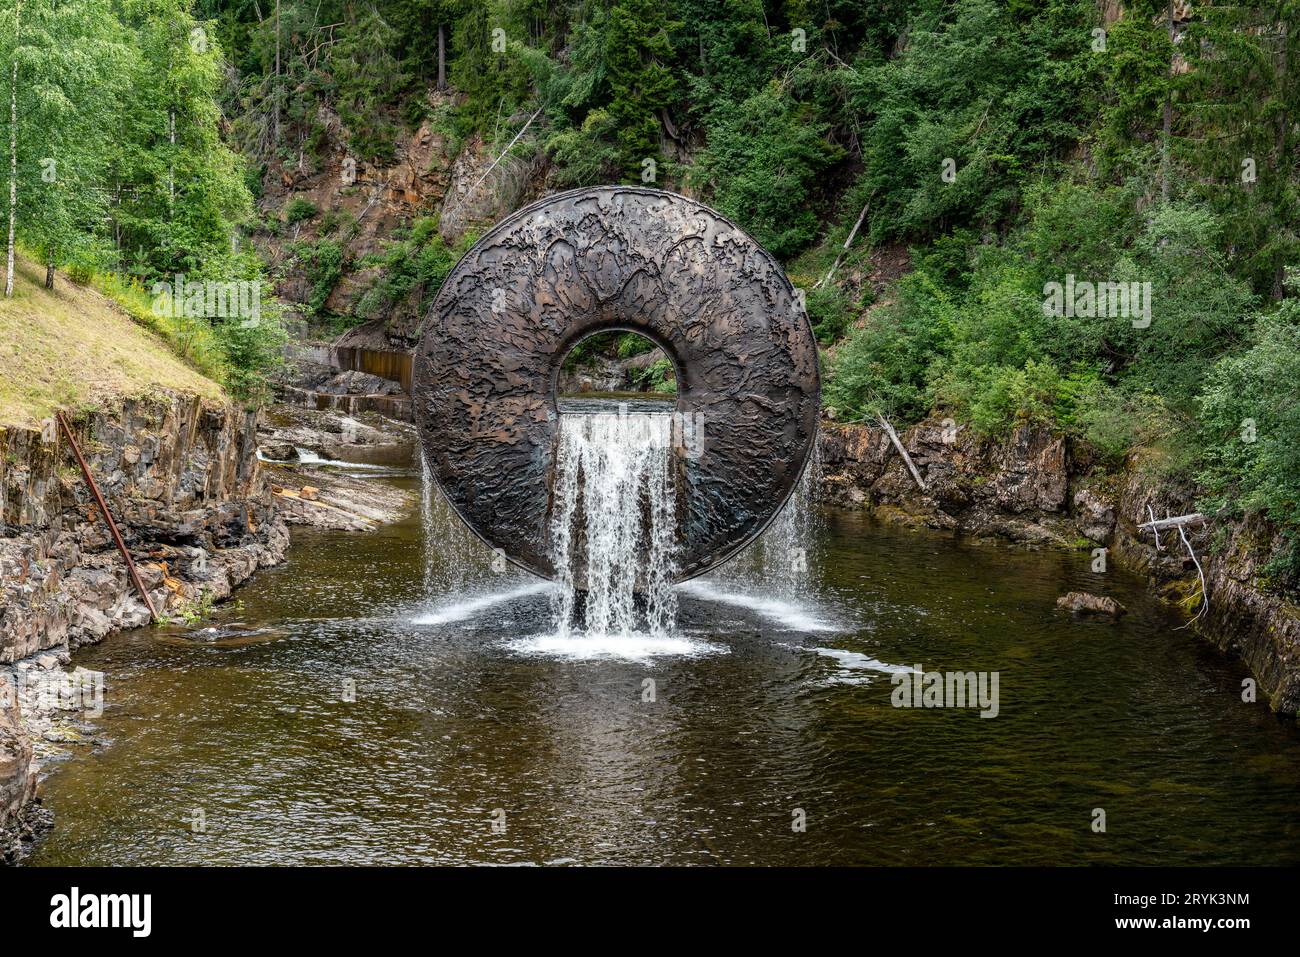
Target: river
x,y
347,711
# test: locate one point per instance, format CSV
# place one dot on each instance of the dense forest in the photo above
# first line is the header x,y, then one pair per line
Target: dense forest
x,y
962,189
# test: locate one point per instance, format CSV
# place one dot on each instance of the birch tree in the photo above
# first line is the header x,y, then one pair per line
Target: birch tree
x,y
13,151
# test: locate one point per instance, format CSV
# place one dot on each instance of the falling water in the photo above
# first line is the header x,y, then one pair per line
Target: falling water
x,y
778,560
455,561
614,525
428,495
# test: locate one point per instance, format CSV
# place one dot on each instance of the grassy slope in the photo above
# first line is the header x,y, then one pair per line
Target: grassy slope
x,y
73,347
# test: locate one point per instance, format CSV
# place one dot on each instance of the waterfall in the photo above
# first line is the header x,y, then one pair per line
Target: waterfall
x,y
454,559
778,560
428,501
613,524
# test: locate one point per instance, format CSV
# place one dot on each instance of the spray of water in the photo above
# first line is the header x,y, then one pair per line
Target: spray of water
x,y
614,524
613,530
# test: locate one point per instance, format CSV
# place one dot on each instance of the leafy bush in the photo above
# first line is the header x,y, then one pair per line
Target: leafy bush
x,y
657,377
323,263
980,92
1251,432
422,260
299,209
884,366
830,313
630,344
763,161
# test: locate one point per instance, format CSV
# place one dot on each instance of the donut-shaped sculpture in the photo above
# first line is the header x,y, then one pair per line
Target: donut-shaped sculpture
x,y
624,258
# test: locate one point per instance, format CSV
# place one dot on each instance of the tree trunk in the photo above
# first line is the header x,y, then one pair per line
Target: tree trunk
x,y
442,57
49,274
171,161
13,155
275,93
907,459
1168,126
1279,149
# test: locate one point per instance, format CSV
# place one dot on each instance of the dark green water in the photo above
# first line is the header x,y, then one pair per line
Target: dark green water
x,y
451,722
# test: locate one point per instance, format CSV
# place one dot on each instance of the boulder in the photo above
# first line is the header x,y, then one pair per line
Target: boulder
x,y
1083,603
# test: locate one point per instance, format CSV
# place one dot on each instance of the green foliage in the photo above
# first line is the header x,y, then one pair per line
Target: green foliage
x,y
999,96
830,313
1251,429
585,155
883,368
763,161
630,344
657,377
123,177
251,351
323,263
418,263
981,341
298,210
638,58
368,71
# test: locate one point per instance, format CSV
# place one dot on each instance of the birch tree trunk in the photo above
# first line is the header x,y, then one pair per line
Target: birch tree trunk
x,y
13,155
171,161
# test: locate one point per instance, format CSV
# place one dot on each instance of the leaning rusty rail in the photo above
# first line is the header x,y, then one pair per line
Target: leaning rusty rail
x,y
108,516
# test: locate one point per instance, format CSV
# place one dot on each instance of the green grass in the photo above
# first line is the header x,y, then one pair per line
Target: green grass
x,y
75,348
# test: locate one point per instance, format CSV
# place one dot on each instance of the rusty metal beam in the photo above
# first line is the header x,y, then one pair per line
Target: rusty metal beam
x,y
108,516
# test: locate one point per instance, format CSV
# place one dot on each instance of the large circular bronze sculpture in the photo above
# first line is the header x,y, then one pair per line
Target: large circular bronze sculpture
x,y
627,258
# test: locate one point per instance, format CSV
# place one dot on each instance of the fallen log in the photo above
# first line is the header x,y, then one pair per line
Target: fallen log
x,y
1194,518
893,437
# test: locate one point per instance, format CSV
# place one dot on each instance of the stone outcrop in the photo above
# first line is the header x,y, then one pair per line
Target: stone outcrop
x,y
1030,489
181,478
1016,490
606,374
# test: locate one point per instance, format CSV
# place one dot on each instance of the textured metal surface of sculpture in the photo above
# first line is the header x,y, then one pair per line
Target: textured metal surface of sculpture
x,y
627,258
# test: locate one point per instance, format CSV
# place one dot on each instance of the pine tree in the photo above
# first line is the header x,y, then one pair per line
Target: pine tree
x,y
642,83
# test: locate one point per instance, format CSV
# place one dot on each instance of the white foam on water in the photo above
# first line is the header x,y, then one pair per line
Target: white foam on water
x,y
788,614
634,646
476,605
856,661
308,457
855,668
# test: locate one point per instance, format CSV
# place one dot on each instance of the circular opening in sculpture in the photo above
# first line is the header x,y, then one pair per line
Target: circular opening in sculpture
x,y
616,363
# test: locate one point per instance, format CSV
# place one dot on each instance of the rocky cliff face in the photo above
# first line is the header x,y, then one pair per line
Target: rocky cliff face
x,y
1017,490
1031,489
181,477
360,205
